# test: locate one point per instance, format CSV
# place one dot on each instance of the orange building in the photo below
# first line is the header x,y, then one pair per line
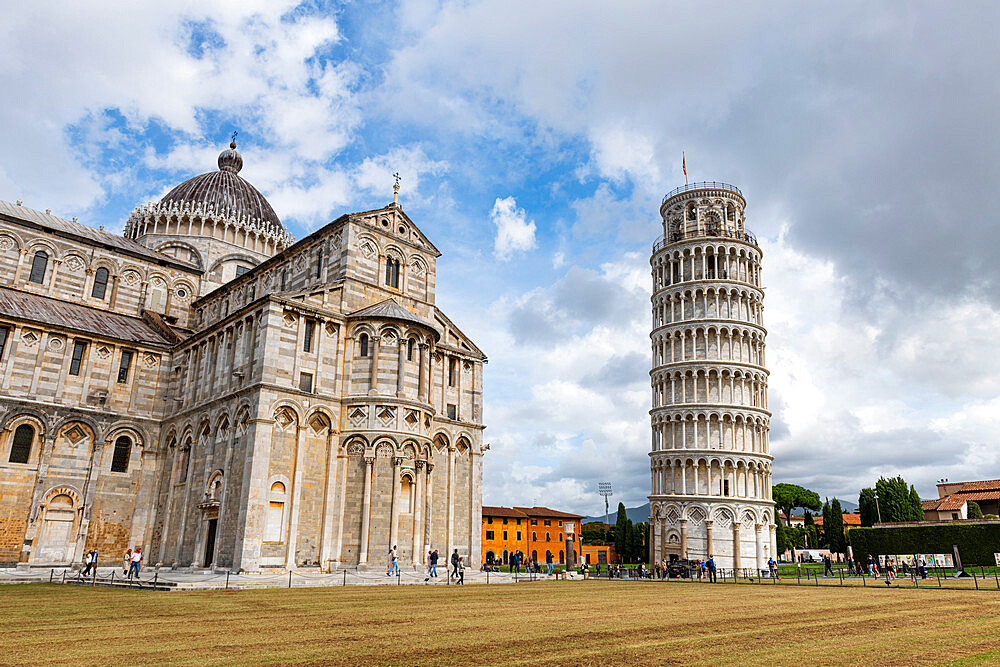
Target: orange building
x,y
534,531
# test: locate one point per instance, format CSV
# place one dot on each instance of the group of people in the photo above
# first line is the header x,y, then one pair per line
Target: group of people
x,y
892,568
457,563
131,563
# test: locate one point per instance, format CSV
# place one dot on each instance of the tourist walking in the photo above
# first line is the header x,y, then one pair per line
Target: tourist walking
x,y
89,562
827,567
434,563
393,562
455,559
548,563
126,562
136,563
772,568
460,569
710,565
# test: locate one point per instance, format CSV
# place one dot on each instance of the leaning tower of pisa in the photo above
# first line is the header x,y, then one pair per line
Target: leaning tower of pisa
x,y
710,460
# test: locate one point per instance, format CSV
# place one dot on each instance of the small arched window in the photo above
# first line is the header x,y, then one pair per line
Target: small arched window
x,y
363,343
534,536
692,212
100,283
409,349
182,463
38,265
274,530
20,449
392,272
548,537
123,450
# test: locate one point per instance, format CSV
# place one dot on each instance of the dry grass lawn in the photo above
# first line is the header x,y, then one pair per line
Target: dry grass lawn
x,y
579,623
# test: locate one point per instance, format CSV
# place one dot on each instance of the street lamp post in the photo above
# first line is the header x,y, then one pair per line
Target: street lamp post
x,y
877,508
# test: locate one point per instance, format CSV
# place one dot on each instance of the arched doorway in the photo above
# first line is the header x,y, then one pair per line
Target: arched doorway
x,y
55,543
490,557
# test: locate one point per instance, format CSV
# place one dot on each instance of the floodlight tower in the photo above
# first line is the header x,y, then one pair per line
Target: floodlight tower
x,y
710,462
604,489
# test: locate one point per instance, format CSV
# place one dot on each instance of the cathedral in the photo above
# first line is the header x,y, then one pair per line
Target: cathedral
x,y
211,390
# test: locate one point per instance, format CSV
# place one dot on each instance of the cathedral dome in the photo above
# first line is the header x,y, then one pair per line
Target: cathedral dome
x,y
224,191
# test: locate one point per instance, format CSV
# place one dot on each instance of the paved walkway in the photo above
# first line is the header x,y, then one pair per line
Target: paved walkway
x,y
166,579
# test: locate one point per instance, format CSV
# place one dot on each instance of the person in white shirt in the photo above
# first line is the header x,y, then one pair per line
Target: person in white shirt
x,y
393,561
136,563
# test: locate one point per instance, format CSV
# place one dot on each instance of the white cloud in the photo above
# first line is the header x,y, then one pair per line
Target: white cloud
x,y
514,233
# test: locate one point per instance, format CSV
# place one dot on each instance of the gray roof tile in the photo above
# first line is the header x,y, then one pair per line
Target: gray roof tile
x,y
43,310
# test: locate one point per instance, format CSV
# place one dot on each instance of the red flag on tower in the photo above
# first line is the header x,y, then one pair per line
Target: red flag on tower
x,y
684,166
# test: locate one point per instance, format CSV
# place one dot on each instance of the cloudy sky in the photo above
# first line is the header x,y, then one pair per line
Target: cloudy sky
x,y
535,141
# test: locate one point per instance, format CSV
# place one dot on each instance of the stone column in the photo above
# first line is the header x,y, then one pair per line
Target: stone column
x,y
338,556
422,374
429,506
451,499
401,366
329,500
757,556
708,534
684,538
737,563
20,266
373,377
774,542
418,514
397,462
662,542
654,542
365,510
56,263
293,527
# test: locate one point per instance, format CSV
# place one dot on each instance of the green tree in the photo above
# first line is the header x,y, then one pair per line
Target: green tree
x,y
621,533
895,500
789,496
975,511
780,541
867,508
809,526
916,504
827,512
592,533
836,539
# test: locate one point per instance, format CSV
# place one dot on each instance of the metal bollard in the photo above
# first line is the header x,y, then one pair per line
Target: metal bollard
x,y
345,577
289,578
228,572
156,578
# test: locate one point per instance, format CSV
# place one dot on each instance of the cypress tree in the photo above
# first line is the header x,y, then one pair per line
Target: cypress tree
x,y
621,533
866,507
835,529
826,524
917,507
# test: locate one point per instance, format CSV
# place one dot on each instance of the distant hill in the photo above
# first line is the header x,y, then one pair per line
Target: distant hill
x,y
637,514
848,506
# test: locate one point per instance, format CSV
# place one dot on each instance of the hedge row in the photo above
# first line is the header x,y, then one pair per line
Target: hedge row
x,y
977,542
